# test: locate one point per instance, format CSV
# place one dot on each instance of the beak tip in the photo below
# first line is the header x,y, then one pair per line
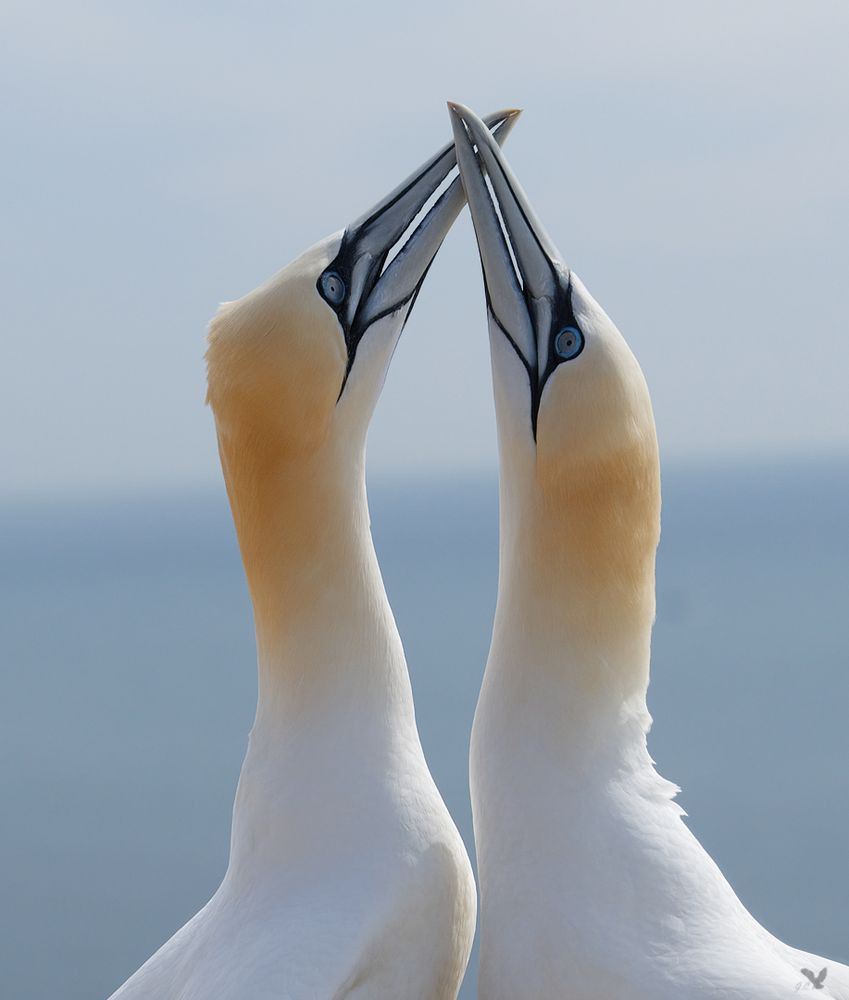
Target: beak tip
x,y
460,111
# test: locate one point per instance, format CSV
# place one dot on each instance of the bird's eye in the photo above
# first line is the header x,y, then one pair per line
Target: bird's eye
x,y
333,287
569,343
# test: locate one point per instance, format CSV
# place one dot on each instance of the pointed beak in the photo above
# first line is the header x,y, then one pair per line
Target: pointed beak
x,y
529,301
379,231
375,288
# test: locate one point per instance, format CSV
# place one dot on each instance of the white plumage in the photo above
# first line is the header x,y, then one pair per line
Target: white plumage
x,y
347,876
592,886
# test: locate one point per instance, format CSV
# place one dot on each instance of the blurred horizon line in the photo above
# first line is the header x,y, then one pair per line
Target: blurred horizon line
x,y
383,478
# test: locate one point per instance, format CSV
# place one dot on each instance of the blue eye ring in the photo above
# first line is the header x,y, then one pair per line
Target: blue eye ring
x,y
333,287
568,343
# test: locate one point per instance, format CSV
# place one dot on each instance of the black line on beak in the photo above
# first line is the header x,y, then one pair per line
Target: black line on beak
x,y
384,289
525,282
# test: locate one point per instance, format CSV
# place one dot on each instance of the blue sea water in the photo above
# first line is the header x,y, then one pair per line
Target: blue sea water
x,y
128,691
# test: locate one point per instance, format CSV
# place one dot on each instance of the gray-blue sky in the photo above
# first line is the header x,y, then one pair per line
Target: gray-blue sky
x,y
690,160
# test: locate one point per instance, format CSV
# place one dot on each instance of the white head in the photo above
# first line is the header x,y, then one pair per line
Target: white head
x,y
579,466
296,366
295,369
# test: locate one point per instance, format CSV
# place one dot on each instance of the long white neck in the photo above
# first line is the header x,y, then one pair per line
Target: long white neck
x,y
334,692
569,661
561,719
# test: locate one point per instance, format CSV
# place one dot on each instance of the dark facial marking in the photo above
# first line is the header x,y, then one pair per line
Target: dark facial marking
x,y
562,320
339,272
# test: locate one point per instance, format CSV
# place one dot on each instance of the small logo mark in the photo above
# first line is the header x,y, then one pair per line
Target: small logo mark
x,y
815,981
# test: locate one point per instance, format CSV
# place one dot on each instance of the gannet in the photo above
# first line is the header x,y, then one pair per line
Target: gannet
x,y
347,877
591,884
